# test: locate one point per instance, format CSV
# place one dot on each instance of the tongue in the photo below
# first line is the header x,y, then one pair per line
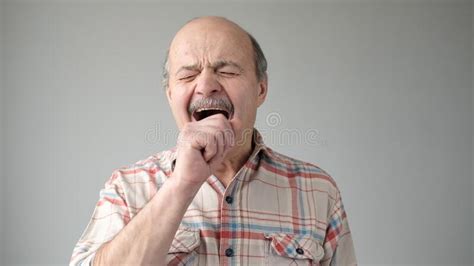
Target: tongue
x,y
206,113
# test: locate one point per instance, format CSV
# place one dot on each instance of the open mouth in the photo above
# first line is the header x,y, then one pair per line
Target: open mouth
x,y
206,107
202,113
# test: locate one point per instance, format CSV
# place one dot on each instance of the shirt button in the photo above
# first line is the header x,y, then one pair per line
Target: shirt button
x,y
300,251
229,199
229,252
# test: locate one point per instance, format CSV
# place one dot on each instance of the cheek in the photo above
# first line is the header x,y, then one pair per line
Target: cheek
x,y
244,123
247,100
246,106
180,102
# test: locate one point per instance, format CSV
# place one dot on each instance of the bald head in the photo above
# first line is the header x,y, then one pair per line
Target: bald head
x,y
205,34
211,24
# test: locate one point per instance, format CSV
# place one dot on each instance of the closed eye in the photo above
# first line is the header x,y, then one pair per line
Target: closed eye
x,y
229,74
189,77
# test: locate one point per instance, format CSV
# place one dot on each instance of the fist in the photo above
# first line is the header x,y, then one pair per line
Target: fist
x,y
201,148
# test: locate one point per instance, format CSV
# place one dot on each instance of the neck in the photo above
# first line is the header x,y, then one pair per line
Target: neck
x,y
233,161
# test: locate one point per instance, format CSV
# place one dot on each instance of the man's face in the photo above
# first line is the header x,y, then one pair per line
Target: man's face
x,y
212,58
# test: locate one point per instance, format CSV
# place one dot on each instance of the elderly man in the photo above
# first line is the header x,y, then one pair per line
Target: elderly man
x,y
221,196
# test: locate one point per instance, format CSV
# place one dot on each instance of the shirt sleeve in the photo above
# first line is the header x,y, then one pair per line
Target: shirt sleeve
x,y
338,244
110,215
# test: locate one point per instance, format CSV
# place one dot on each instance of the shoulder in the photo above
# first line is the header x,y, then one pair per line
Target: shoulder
x,y
291,167
154,168
134,185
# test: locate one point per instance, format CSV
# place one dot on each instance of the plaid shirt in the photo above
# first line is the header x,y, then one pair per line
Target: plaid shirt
x,y
276,211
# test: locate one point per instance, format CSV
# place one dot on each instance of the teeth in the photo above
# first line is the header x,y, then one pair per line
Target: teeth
x,y
210,108
202,113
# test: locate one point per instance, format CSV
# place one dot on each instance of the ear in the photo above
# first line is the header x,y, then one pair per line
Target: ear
x,y
262,90
168,94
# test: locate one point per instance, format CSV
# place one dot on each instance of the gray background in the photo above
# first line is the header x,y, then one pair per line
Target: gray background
x,y
386,85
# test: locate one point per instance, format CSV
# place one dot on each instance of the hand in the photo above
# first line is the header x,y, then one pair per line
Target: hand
x,y
202,146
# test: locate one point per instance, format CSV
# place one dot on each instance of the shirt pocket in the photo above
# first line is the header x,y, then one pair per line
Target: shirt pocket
x,y
183,249
289,249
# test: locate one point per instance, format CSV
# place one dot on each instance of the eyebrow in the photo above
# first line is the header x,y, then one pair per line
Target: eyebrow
x,y
188,67
217,65
222,63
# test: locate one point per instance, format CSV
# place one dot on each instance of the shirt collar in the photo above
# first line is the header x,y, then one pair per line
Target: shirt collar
x,y
259,146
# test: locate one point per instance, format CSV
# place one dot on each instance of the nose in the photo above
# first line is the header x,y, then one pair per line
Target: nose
x,y
207,84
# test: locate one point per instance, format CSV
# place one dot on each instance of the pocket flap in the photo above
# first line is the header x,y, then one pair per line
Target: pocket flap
x,y
185,241
296,246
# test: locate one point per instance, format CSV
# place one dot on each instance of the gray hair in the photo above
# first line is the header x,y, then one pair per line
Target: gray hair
x,y
259,58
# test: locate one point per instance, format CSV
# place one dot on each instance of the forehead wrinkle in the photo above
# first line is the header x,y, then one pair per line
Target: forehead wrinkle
x,y
216,65
208,49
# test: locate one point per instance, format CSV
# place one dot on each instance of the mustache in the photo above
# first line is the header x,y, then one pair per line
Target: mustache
x,y
210,102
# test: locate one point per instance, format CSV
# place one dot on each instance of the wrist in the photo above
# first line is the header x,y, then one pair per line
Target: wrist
x,y
182,187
